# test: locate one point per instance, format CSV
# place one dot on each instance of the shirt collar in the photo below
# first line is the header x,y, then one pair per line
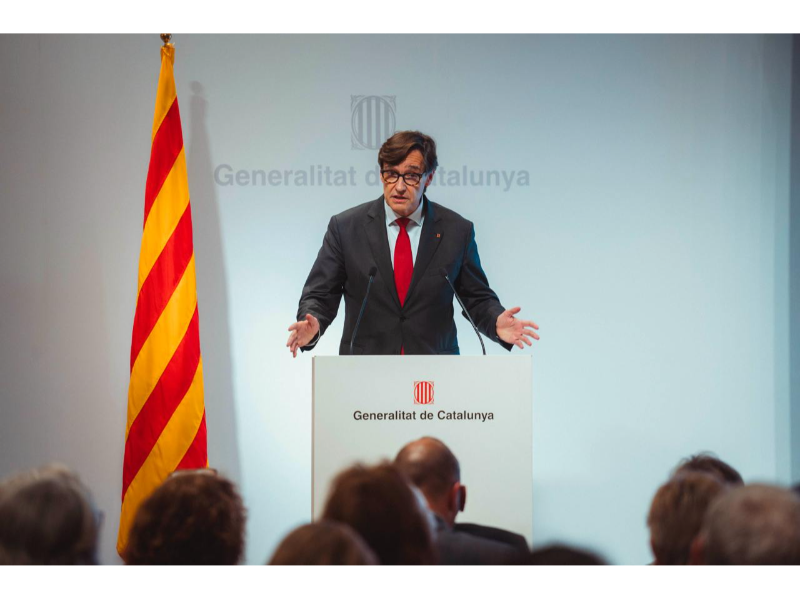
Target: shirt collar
x,y
416,216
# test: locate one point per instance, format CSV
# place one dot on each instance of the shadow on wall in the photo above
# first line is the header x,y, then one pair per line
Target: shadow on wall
x,y
223,448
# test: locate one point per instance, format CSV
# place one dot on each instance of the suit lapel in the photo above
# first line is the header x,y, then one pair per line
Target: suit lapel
x,y
429,239
375,227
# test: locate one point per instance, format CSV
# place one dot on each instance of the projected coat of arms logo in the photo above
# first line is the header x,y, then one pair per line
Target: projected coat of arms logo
x,y
372,120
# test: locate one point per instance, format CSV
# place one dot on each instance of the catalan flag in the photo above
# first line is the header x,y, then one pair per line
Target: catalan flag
x,y
166,428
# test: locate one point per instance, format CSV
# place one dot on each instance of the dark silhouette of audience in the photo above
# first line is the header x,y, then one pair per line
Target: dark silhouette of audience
x,y
47,517
751,525
706,462
432,467
677,513
378,503
400,513
323,543
194,518
561,555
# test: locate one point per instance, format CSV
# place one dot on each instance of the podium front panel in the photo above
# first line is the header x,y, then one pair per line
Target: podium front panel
x,y
365,408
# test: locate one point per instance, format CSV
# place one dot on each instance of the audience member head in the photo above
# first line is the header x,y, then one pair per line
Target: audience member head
x,y
193,518
559,554
47,517
706,462
378,503
677,513
751,525
433,468
323,543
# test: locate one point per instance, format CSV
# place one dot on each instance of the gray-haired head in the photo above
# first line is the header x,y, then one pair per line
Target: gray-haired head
x,y
753,525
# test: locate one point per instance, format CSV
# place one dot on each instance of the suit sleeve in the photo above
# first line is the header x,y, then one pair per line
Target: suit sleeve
x,y
473,287
322,291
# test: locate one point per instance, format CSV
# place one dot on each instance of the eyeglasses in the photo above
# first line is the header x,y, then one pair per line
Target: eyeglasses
x,y
408,178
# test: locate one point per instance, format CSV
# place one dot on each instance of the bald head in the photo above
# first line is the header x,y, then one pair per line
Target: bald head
x,y
430,465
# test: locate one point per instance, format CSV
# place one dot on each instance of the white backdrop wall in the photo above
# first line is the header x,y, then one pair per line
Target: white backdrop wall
x,y
645,227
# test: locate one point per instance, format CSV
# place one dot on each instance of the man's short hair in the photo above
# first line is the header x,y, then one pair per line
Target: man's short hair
x,y
193,518
401,144
377,502
323,543
706,462
47,517
753,525
677,512
430,465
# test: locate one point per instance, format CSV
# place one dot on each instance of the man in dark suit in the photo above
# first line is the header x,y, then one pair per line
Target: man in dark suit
x,y
408,242
430,465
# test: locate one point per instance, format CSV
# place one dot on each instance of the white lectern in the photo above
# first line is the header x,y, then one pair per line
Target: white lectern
x,y
365,408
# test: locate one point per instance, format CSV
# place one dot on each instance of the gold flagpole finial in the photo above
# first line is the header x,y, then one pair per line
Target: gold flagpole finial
x,y
166,37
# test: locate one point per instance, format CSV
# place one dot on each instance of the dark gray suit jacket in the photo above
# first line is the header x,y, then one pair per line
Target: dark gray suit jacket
x,y
356,241
495,534
459,548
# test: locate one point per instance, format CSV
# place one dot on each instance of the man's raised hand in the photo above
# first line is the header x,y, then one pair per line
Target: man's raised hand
x,y
302,333
515,331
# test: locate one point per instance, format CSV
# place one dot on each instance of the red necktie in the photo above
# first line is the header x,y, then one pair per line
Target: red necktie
x,y
403,265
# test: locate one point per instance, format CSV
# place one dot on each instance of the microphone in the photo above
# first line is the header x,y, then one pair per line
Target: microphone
x,y
464,308
372,272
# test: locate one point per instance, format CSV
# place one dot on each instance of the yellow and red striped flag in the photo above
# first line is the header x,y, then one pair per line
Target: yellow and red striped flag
x,y
166,428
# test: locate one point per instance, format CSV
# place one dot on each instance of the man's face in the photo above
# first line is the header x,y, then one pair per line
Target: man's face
x,y
401,197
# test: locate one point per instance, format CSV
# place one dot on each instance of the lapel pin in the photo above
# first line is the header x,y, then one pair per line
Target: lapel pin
x,y
438,235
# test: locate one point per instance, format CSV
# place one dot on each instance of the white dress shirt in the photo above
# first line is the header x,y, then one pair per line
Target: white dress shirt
x,y
414,229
